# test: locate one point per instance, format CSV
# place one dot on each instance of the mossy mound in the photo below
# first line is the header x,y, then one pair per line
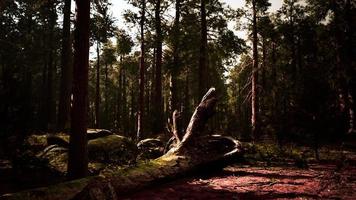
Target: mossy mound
x,y
150,148
112,149
38,142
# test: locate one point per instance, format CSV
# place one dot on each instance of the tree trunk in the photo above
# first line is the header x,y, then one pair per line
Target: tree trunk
x,y
158,108
134,104
177,123
173,102
254,93
186,108
66,71
97,88
152,86
202,72
44,103
119,105
264,64
142,76
106,114
78,152
124,103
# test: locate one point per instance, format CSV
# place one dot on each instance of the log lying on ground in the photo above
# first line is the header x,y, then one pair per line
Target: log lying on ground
x,y
195,151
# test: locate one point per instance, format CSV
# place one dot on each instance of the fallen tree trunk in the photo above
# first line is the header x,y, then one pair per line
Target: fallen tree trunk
x,y
195,151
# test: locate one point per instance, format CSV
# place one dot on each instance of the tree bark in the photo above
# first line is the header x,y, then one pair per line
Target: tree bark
x,y
51,114
158,108
119,113
173,102
177,123
202,72
124,103
97,87
78,152
142,76
254,93
66,71
106,114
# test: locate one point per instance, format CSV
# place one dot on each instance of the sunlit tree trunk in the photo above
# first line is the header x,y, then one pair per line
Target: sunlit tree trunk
x,y
254,91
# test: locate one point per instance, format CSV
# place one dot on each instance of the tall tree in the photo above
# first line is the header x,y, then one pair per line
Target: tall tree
x,y
109,59
158,108
202,71
174,70
254,90
78,152
124,46
51,66
102,29
66,71
257,5
142,74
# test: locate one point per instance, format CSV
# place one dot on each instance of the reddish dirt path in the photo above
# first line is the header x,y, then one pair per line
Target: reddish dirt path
x,y
246,182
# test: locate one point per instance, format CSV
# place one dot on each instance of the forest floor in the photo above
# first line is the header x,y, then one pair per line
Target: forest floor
x,y
319,180
250,179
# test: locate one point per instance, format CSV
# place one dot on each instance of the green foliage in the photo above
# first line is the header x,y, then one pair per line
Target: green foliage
x,y
302,48
124,43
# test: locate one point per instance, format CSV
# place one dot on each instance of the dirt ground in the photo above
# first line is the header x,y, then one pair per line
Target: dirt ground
x,y
328,179
319,181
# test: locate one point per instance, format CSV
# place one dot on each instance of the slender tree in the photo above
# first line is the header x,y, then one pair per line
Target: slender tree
x,y
202,72
66,71
97,87
124,46
174,71
142,74
78,152
102,29
254,91
158,115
